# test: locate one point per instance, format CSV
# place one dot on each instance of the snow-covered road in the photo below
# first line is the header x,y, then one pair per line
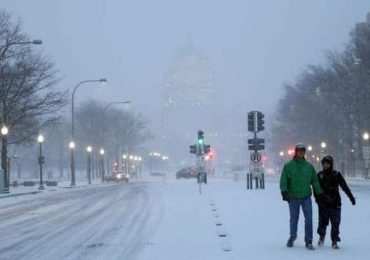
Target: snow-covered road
x,y
105,222
229,222
168,219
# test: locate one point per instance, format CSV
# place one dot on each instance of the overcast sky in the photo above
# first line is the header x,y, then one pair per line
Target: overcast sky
x,y
253,45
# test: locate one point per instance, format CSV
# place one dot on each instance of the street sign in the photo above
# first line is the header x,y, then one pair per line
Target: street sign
x,y
256,168
256,141
256,157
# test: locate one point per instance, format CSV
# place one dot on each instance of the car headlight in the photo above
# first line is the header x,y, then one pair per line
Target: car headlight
x,y
119,176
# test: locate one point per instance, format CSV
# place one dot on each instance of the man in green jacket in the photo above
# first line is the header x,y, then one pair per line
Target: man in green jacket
x,y
296,180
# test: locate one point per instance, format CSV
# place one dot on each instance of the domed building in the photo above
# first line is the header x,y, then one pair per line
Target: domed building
x,y
189,81
188,98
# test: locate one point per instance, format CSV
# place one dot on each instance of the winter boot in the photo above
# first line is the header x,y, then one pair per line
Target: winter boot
x,y
309,245
290,242
321,241
334,245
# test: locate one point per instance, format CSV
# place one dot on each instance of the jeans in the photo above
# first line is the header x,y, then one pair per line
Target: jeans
x,y
294,207
332,214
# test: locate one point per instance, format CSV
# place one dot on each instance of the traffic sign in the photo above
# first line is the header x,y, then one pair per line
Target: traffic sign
x,y
256,168
256,157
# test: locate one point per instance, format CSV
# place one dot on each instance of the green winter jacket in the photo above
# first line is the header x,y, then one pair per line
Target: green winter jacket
x,y
297,178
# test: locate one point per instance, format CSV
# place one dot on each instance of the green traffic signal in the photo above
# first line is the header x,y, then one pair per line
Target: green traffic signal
x,y
200,137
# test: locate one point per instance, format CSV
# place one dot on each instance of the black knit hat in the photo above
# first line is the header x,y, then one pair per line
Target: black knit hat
x,y
300,146
327,159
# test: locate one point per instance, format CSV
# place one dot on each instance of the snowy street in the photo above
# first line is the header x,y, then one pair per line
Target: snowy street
x,y
169,220
256,224
106,222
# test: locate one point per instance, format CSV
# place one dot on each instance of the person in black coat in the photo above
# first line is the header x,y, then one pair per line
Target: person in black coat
x,y
330,205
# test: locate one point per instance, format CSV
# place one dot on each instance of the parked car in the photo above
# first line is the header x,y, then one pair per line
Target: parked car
x,y
188,172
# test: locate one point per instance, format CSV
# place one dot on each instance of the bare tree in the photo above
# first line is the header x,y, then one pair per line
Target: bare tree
x,y
29,97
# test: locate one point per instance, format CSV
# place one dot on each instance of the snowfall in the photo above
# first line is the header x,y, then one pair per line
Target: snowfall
x,y
166,219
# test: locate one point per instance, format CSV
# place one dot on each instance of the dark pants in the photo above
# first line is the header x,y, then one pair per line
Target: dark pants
x,y
294,208
332,214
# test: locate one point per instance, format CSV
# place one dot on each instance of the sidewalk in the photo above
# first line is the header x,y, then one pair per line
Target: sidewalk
x,y
32,190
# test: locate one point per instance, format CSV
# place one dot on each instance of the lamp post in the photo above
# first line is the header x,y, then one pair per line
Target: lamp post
x,y
309,153
366,153
4,152
130,159
281,161
140,168
8,44
40,140
103,81
89,150
73,176
102,163
323,146
124,163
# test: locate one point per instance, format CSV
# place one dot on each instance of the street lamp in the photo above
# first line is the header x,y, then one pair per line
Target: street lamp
x,y
72,145
323,145
8,44
281,153
139,165
102,152
309,148
89,151
73,176
366,153
4,148
103,81
4,130
40,140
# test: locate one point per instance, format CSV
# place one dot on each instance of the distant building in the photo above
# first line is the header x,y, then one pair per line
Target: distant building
x,y
189,84
188,99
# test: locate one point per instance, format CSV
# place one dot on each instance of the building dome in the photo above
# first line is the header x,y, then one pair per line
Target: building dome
x,y
189,80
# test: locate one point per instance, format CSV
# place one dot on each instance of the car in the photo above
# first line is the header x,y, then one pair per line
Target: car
x,y
117,177
188,172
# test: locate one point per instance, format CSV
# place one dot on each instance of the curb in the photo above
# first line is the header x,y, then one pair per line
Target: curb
x,y
19,194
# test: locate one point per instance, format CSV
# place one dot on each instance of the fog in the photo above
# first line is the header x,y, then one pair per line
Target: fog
x,y
252,48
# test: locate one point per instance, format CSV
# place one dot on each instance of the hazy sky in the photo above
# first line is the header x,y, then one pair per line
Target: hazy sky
x,y
254,46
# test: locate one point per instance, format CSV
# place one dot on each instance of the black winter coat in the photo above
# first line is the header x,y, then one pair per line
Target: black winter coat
x,y
330,180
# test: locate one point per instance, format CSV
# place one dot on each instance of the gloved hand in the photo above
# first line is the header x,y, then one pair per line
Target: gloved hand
x,y
353,200
285,196
320,199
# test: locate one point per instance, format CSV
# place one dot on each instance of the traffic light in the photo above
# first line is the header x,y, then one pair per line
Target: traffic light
x,y
193,149
207,148
200,137
251,121
260,121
